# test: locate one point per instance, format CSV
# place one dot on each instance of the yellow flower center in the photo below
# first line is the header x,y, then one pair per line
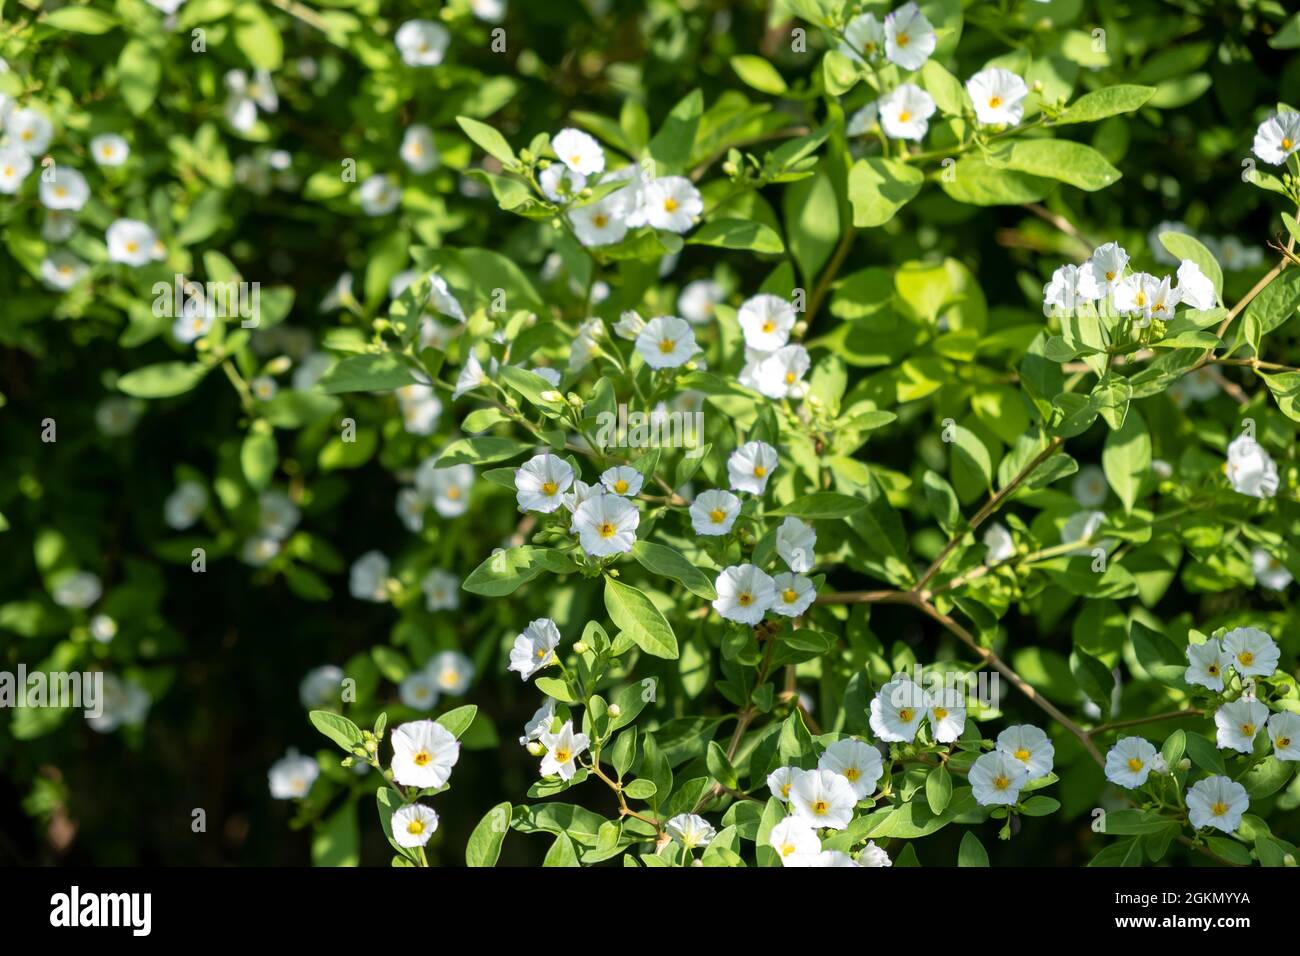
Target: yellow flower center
x,y
1219,808
905,714
1134,764
744,599
717,516
852,774
132,246
1110,276
769,326
562,755
995,102
790,378
787,849
940,713
902,39
620,486
1246,658
1022,755
869,48
453,493
789,596
449,677
670,204
8,171
575,159
415,827
1140,299
1212,670
60,191
26,135
1248,730
1286,142
600,220
548,488
422,758
904,116
666,346
607,530
759,471
785,789
1282,742
540,653
819,807
1000,782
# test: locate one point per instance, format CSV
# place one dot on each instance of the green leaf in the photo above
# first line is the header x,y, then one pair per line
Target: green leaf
x,y
738,234
1126,457
561,852
938,789
164,380
821,504
720,767
972,180
673,144
1070,162
481,451
458,720
258,456
759,73
634,614
75,19
1204,754
878,188
139,70
367,373
1277,303
257,36
972,852
1108,101
669,562
484,845
337,728
503,572
491,141
337,841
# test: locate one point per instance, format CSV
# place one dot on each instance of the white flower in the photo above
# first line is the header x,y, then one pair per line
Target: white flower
x,y
421,408
1194,286
713,512
794,838
670,202
441,590
368,578
1250,469
897,710
745,592
780,780
14,167
442,299
413,825
292,775
1089,486
905,112
103,628
602,222
423,754
864,38
452,671
996,778
780,374
579,152
534,648
471,377
31,130
561,749
629,325
873,855
698,300
766,321
857,762
56,226
492,11
109,149
622,480
259,550
338,294
1284,731
277,515
997,95
62,270
909,38
1146,295
418,149
605,525
1217,802
1237,724
690,830
196,318
1070,287
1278,137
124,703
1083,526
580,493
1252,651
1130,762
861,122
130,241
1107,266
422,42
184,505
1205,664
750,466
794,594
321,686
823,798
378,195
263,388
77,589
1031,746
998,544
448,488
418,690
560,184
666,342
947,715
540,482
1269,571
67,190
795,542
540,722
244,98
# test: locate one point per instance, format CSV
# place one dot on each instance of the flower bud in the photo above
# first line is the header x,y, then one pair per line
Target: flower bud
x,y
580,647
1184,764
535,748
615,710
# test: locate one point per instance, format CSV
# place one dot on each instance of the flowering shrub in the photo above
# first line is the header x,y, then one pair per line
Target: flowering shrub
x,y
814,433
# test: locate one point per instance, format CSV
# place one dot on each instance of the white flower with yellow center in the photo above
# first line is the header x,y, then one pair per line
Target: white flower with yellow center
x,y
698,300
690,830
998,96
857,762
109,149
1238,723
905,112
745,592
780,374
1070,287
1278,137
1217,802
1107,266
62,270
562,748
131,242
1284,732
794,594
996,779
420,407
603,222
606,524
823,798
666,342
541,481
766,321
579,151
1250,469
713,512
379,195
795,541
864,38
368,577
422,42
1130,762
418,150
451,671
780,780
1206,663
622,480
1090,487
448,488
534,648
794,839
185,505
441,590
321,686
1269,571
909,37
947,714
423,754
418,690
413,825
897,710
750,466
1029,745
292,775
30,130
670,202
1253,652
14,167
67,190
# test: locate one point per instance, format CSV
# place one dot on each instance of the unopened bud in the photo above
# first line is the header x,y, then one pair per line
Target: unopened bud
x,y
535,748
1184,764
580,647
615,710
